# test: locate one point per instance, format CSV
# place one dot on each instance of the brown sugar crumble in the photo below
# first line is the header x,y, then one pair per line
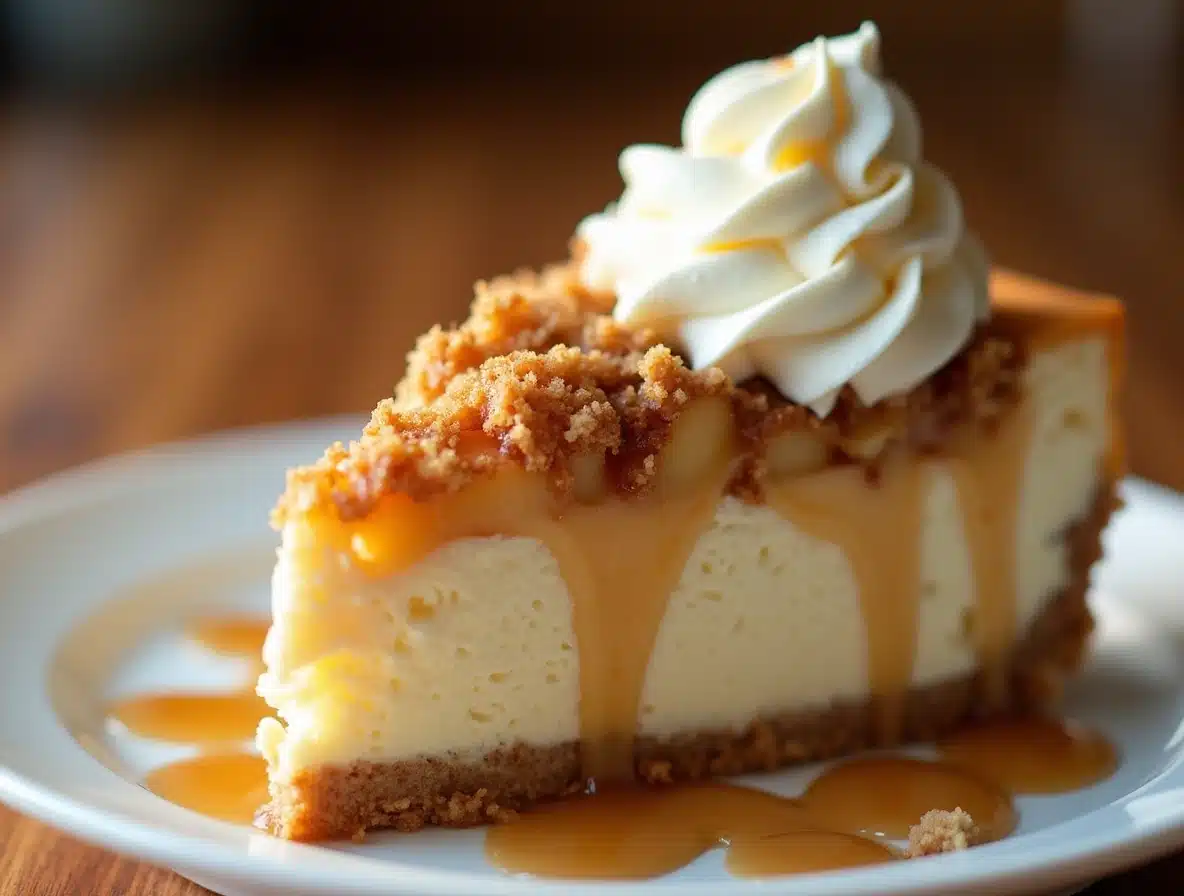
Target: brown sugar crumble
x,y
526,311
540,373
941,831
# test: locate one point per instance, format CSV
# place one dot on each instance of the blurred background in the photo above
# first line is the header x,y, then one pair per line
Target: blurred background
x,y
221,213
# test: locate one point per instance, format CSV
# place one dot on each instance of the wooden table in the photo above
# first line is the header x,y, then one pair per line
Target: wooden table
x,y
164,272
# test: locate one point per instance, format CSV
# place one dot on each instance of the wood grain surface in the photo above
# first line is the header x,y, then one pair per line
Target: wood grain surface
x,y
166,271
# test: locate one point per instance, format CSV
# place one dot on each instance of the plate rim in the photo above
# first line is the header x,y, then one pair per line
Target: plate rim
x,y
212,849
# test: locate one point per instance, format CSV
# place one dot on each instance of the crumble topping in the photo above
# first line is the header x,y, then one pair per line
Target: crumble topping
x,y
525,311
540,374
940,831
538,411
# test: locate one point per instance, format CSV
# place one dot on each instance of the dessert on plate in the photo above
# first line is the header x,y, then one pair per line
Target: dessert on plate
x,y
771,469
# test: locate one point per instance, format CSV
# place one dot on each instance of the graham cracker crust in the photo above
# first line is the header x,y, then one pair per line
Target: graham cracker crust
x,y
340,802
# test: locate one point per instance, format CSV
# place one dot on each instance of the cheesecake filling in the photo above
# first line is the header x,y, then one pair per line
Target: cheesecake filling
x,y
494,616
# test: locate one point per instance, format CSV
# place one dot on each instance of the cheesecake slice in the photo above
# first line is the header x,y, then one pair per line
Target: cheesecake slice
x,y
759,476
595,563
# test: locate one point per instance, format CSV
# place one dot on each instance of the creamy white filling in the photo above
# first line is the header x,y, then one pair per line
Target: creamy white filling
x,y
797,233
1070,434
473,648
470,650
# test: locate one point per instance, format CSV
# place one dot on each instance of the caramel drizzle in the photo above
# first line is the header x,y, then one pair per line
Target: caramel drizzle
x,y
232,635
878,528
227,786
618,601
639,833
1032,755
841,820
192,718
989,479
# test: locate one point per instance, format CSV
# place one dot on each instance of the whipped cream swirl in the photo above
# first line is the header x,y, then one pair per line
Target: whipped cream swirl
x,y
797,234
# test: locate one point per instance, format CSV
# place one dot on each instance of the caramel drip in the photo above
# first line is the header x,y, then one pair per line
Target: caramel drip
x,y
639,833
1033,756
802,852
878,528
645,832
231,635
621,559
989,477
227,786
202,718
619,594
191,718
884,796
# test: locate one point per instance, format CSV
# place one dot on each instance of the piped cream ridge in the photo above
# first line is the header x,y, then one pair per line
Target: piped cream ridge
x,y
797,234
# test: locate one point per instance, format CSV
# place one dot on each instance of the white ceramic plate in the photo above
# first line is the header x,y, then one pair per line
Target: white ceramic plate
x,y
100,568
